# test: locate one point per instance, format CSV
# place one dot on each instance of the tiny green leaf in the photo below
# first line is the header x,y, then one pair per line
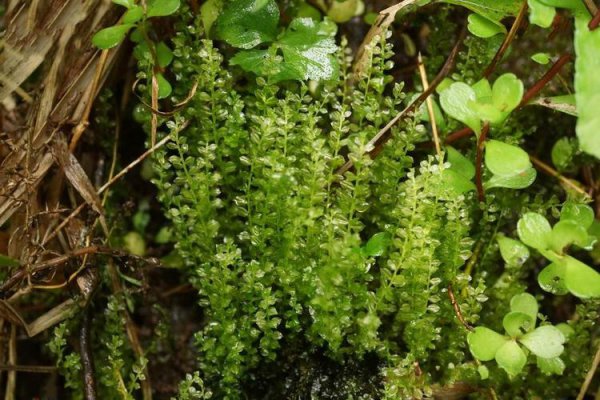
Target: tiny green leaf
x,y
511,358
164,55
133,15
566,232
541,58
519,181
580,279
505,159
456,101
513,252
534,230
483,27
545,341
550,366
563,152
540,14
483,371
507,92
6,261
161,8
164,87
111,36
377,244
484,343
552,279
581,214
524,303
517,323
460,164
247,23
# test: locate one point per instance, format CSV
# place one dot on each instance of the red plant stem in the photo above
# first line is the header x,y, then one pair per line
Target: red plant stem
x,y
457,309
539,85
479,161
459,134
507,40
593,24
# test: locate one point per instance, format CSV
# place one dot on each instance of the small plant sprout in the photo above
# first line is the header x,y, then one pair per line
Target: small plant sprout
x,y
512,349
565,273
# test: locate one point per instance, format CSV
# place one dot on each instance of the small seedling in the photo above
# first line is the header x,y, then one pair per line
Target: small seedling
x,y
511,350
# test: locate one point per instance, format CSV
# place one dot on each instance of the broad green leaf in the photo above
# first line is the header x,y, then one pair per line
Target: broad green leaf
x,y
519,181
562,154
493,10
377,244
133,15
507,92
513,252
581,280
541,58
164,87
209,12
534,230
456,100
251,61
484,343
524,303
161,8
551,366
483,91
247,23
308,48
581,214
517,323
566,232
552,279
456,182
545,341
540,14
8,262
505,159
566,330
111,36
587,85
125,3
511,358
460,164
164,55
488,112
483,27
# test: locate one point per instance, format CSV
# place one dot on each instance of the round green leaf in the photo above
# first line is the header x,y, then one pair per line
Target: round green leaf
x,y
483,91
133,15
566,232
483,27
513,252
541,58
524,303
540,14
507,92
505,159
484,373
563,152
343,11
534,230
111,36
377,245
456,101
164,87
552,279
519,181
545,341
484,343
459,163
551,366
456,182
517,323
164,55
581,214
511,358
488,112
580,279
161,8
247,23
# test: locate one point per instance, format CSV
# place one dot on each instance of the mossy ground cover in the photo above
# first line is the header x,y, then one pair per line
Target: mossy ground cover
x,y
307,200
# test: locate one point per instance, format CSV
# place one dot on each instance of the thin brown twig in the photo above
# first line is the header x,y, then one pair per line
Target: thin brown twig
x,y
545,168
590,375
381,138
35,369
429,102
457,309
479,161
507,40
87,360
11,382
590,6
